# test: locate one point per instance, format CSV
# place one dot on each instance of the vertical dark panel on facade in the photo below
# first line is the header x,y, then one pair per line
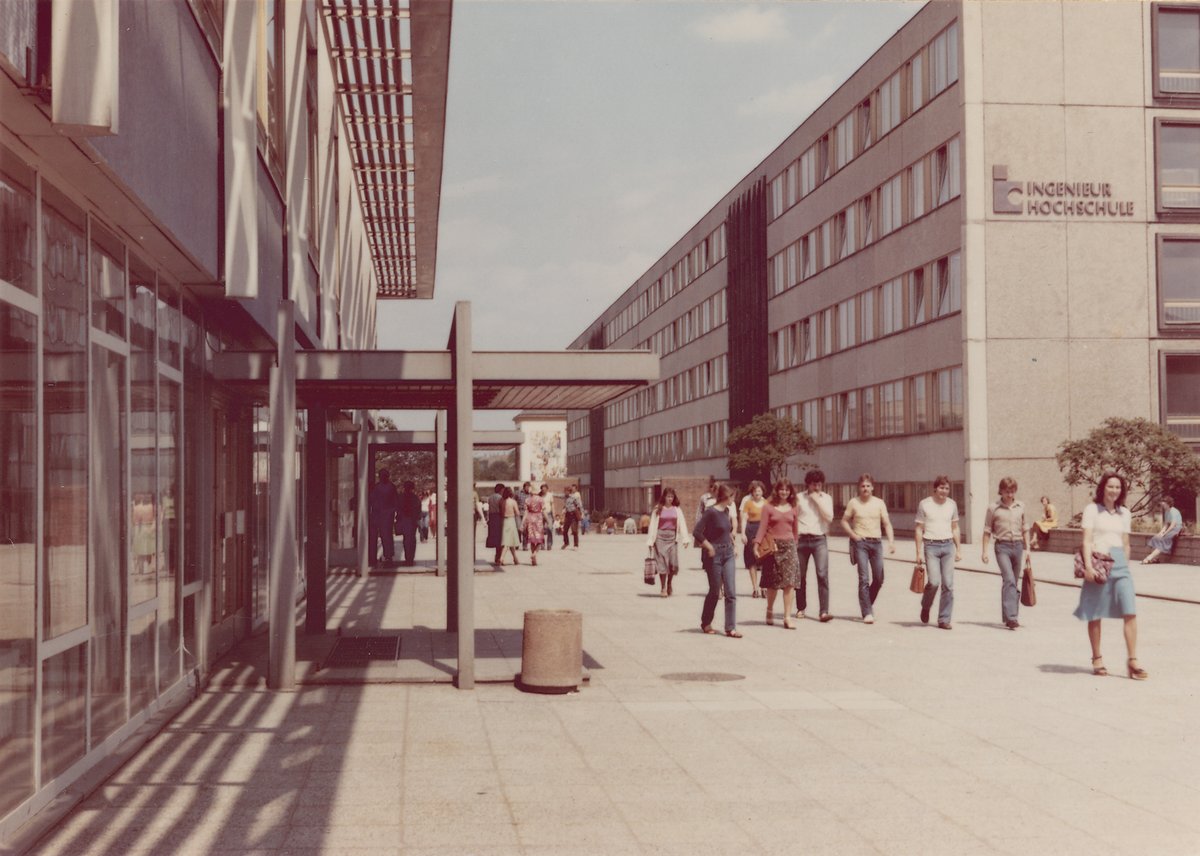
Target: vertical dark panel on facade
x,y
746,304
596,432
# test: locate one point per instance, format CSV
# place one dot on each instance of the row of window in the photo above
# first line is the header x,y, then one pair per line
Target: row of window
x,y
708,378
1179,280
579,428
930,401
911,193
924,294
695,262
686,444
901,95
1176,30
689,326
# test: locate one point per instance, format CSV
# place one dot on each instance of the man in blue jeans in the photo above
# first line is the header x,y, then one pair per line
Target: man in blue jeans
x,y
1006,522
814,513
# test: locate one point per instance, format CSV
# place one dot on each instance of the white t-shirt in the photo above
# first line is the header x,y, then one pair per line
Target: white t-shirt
x,y
938,518
809,511
1108,528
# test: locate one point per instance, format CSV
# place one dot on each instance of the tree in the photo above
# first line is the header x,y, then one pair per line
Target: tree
x,y
1153,461
766,446
492,467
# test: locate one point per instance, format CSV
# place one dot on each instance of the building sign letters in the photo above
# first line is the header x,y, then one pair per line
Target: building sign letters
x,y
1092,199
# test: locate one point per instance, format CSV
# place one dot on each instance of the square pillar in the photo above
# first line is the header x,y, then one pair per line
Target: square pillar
x,y
460,513
282,556
316,512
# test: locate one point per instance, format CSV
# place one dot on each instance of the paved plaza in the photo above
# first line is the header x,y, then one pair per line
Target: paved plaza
x,y
838,738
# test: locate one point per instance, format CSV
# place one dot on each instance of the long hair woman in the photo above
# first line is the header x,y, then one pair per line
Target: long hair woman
x,y
782,570
749,520
714,534
668,533
1106,525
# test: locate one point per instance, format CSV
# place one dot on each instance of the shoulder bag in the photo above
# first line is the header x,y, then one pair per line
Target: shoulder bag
x,y
765,547
1101,563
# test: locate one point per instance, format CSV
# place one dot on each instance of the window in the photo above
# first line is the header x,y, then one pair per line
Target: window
x,y
844,142
949,404
846,325
808,171
949,285
916,84
918,403
863,121
823,159
827,258
891,307
1181,395
826,331
18,226
891,408
777,195
866,209
867,314
1177,51
848,416
1178,154
889,206
828,405
793,265
916,297
270,81
809,256
810,418
808,344
868,412
1179,280
889,104
916,189
943,59
945,164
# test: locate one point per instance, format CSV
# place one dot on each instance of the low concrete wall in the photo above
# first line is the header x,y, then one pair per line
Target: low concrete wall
x,y
1187,547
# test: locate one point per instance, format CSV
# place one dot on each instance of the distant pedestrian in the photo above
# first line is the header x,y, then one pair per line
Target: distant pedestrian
x,y
714,534
423,523
1005,521
495,522
1040,533
1106,526
780,571
866,521
668,535
548,515
939,546
382,502
522,496
749,519
1163,544
572,514
408,514
510,539
534,525
814,513
709,497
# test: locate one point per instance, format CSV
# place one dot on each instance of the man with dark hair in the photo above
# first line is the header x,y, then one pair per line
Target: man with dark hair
x,y
522,497
407,515
814,513
382,502
495,521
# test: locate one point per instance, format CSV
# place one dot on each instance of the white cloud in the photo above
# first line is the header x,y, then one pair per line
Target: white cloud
x,y
798,99
743,25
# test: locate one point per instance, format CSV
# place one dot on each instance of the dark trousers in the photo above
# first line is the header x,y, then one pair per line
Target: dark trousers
x,y
382,534
406,528
570,528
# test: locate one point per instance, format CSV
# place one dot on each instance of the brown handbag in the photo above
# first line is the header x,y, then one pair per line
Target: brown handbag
x,y
1028,590
765,547
917,585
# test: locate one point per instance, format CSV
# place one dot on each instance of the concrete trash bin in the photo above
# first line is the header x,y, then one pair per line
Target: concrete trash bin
x,y
551,651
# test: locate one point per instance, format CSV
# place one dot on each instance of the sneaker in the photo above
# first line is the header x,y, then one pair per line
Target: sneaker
x,y
924,614
825,616
868,619
945,625
1012,625
799,613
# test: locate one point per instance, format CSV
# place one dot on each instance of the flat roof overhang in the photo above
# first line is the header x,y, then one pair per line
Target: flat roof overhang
x,y
426,441
423,380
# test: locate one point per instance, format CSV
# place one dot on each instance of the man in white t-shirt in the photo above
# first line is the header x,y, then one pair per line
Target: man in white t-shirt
x,y
939,546
814,513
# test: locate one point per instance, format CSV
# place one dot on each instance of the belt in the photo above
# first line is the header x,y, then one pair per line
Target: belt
x,y
938,540
805,537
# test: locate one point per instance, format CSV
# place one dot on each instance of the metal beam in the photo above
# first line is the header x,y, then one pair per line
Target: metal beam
x,y
281,669
316,551
439,487
461,512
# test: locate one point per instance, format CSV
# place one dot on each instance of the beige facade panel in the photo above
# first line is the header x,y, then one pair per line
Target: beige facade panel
x,y
1028,381
1102,56
1026,276
1108,273
1030,139
1109,377
1022,56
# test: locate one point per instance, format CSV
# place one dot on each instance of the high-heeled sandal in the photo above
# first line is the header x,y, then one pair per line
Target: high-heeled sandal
x,y
1098,670
1136,673
787,625
770,616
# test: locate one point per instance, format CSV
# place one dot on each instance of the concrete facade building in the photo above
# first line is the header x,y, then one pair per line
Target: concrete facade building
x,y
984,242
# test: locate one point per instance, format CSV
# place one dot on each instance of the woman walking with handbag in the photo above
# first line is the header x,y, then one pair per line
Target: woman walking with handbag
x,y
938,548
1106,525
534,525
668,534
780,570
749,518
1006,522
714,534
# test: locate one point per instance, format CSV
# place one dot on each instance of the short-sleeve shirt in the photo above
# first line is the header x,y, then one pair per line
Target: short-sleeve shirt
x,y
779,524
715,526
866,518
1006,523
938,518
1108,527
752,508
1174,520
668,518
812,512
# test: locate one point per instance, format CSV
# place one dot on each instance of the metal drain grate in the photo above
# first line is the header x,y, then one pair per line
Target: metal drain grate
x,y
712,677
361,650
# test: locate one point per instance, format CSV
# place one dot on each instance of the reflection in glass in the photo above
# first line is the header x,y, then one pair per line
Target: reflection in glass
x,y
108,282
169,326
109,542
260,551
64,361
168,538
143,474
190,639
18,522
193,367
17,223
141,662
64,704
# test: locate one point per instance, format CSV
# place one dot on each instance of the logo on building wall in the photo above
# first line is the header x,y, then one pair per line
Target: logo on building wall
x,y
1092,199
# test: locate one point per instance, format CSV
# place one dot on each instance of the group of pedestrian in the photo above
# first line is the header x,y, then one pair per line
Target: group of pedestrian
x,y
525,520
390,513
786,529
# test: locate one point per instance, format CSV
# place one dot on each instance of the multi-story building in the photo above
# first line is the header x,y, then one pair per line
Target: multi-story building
x,y
985,241
180,180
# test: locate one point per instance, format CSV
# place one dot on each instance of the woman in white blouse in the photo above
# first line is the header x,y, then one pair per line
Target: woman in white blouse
x,y
1106,524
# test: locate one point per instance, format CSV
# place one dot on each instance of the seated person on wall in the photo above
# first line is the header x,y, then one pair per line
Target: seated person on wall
x,y
630,527
1040,533
610,525
644,524
1163,544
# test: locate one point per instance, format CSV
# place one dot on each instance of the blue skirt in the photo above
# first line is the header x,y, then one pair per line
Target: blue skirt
x,y
1162,543
1112,599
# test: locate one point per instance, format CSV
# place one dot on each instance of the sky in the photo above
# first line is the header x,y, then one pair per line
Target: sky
x,y
585,137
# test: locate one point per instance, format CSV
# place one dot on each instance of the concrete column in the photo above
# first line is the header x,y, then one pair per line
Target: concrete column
x,y
316,553
363,534
281,671
202,424
439,469
460,448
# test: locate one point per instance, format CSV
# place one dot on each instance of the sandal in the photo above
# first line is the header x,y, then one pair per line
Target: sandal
x,y
707,628
1098,670
1136,673
787,625
770,617
733,634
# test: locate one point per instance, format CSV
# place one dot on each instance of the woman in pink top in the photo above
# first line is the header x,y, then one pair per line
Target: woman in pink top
x,y
782,570
667,535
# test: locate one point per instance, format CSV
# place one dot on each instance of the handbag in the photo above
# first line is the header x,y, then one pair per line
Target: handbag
x,y
1101,564
765,547
917,585
649,571
1028,591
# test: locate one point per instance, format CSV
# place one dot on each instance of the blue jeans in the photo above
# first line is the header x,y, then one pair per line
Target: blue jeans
x,y
1008,559
721,569
549,527
817,547
868,554
939,569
